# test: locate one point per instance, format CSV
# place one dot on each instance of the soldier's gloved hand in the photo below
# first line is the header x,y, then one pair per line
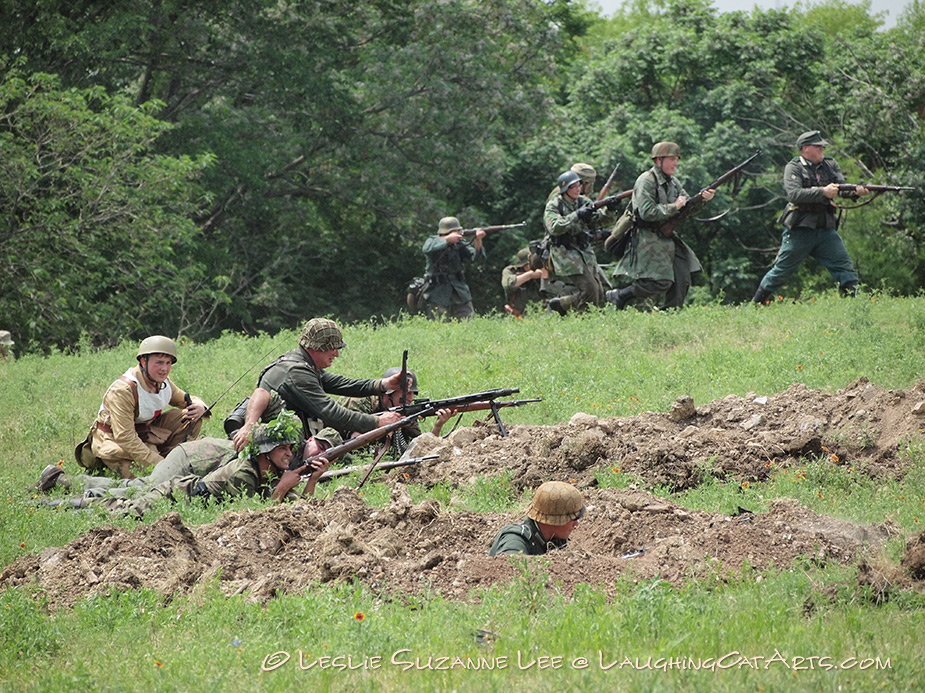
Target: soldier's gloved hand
x,y
586,213
612,204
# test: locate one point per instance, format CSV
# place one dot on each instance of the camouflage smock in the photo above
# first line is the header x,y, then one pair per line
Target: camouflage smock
x,y
570,250
518,296
651,255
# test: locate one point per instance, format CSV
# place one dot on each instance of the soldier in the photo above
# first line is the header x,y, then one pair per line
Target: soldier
x,y
445,289
568,219
521,284
551,517
810,225
252,472
134,427
657,263
588,177
6,341
303,385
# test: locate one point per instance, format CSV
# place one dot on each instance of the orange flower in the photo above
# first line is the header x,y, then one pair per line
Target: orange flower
x,y
745,484
22,545
359,616
158,663
799,368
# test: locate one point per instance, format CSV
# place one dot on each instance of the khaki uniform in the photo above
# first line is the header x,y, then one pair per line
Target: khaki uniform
x,y
126,435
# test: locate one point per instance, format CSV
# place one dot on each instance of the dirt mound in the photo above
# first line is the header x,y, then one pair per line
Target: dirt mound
x,y
408,548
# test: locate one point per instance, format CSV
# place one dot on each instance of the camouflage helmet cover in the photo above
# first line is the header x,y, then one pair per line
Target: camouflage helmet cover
x,y
522,258
556,503
585,171
567,180
329,436
448,224
321,334
157,344
660,149
395,369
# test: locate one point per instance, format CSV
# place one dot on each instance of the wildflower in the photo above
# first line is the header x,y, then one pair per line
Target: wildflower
x,y
615,470
60,463
833,457
745,485
799,368
359,616
158,663
22,545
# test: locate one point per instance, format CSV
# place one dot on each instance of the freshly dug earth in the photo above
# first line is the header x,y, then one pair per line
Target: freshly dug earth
x,y
408,548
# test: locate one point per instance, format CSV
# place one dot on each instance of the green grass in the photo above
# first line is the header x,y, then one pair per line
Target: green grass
x,y
605,363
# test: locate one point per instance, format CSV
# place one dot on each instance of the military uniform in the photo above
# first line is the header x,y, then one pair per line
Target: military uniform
x,y
810,226
142,432
523,537
304,389
656,264
517,297
445,289
573,258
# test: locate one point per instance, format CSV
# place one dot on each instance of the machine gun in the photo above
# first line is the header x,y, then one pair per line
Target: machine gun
x,y
474,401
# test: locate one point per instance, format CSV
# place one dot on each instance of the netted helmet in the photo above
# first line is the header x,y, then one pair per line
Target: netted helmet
x,y
567,180
585,171
395,369
329,436
321,334
285,429
556,503
660,149
448,224
157,344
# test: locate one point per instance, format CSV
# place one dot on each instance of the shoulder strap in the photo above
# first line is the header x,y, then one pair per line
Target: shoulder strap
x,y
134,386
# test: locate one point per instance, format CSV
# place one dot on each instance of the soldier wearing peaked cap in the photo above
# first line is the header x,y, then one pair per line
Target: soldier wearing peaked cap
x,y
551,517
135,426
445,289
299,381
810,223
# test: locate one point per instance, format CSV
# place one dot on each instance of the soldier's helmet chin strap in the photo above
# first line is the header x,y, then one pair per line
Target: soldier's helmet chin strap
x,y
143,362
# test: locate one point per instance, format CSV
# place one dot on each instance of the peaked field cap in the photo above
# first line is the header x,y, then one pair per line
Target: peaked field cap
x,y
810,138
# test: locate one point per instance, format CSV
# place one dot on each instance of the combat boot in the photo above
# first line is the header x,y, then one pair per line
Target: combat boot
x,y
762,296
849,289
621,297
556,305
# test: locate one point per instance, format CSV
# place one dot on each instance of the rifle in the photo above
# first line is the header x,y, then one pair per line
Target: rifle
x,y
344,471
359,441
603,191
667,229
486,398
879,189
465,233
600,202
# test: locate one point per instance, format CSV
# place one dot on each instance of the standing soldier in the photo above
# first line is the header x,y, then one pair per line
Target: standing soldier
x,y
134,427
551,517
520,283
810,225
445,290
658,263
569,219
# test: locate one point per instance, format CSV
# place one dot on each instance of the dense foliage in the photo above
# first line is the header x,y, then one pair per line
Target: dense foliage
x,y
188,167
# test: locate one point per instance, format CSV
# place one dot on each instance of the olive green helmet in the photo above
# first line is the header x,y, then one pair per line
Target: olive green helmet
x,y
567,180
585,171
556,503
447,225
660,149
157,344
395,369
321,334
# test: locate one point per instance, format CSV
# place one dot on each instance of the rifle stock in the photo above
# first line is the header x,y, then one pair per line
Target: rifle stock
x,y
490,229
667,229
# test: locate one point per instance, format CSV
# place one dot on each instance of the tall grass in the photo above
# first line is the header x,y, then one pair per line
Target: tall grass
x,y
604,363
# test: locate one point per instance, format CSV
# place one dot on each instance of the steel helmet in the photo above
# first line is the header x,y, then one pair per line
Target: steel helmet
x,y
585,171
448,224
321,334
660,149
395,369
567,180
556,503
157,344
285,429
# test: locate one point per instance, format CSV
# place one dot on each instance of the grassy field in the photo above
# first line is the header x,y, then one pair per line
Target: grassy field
x,y
750,632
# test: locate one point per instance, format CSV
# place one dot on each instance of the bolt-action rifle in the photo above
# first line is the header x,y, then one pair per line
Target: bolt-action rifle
x,y
602,193
877,191
694,202
344,471
489,229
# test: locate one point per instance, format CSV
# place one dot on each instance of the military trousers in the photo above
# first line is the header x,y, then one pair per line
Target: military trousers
x,y
675,290
823,245
590,289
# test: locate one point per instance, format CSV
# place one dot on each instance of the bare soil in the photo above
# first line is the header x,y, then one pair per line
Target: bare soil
x,y
407,548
